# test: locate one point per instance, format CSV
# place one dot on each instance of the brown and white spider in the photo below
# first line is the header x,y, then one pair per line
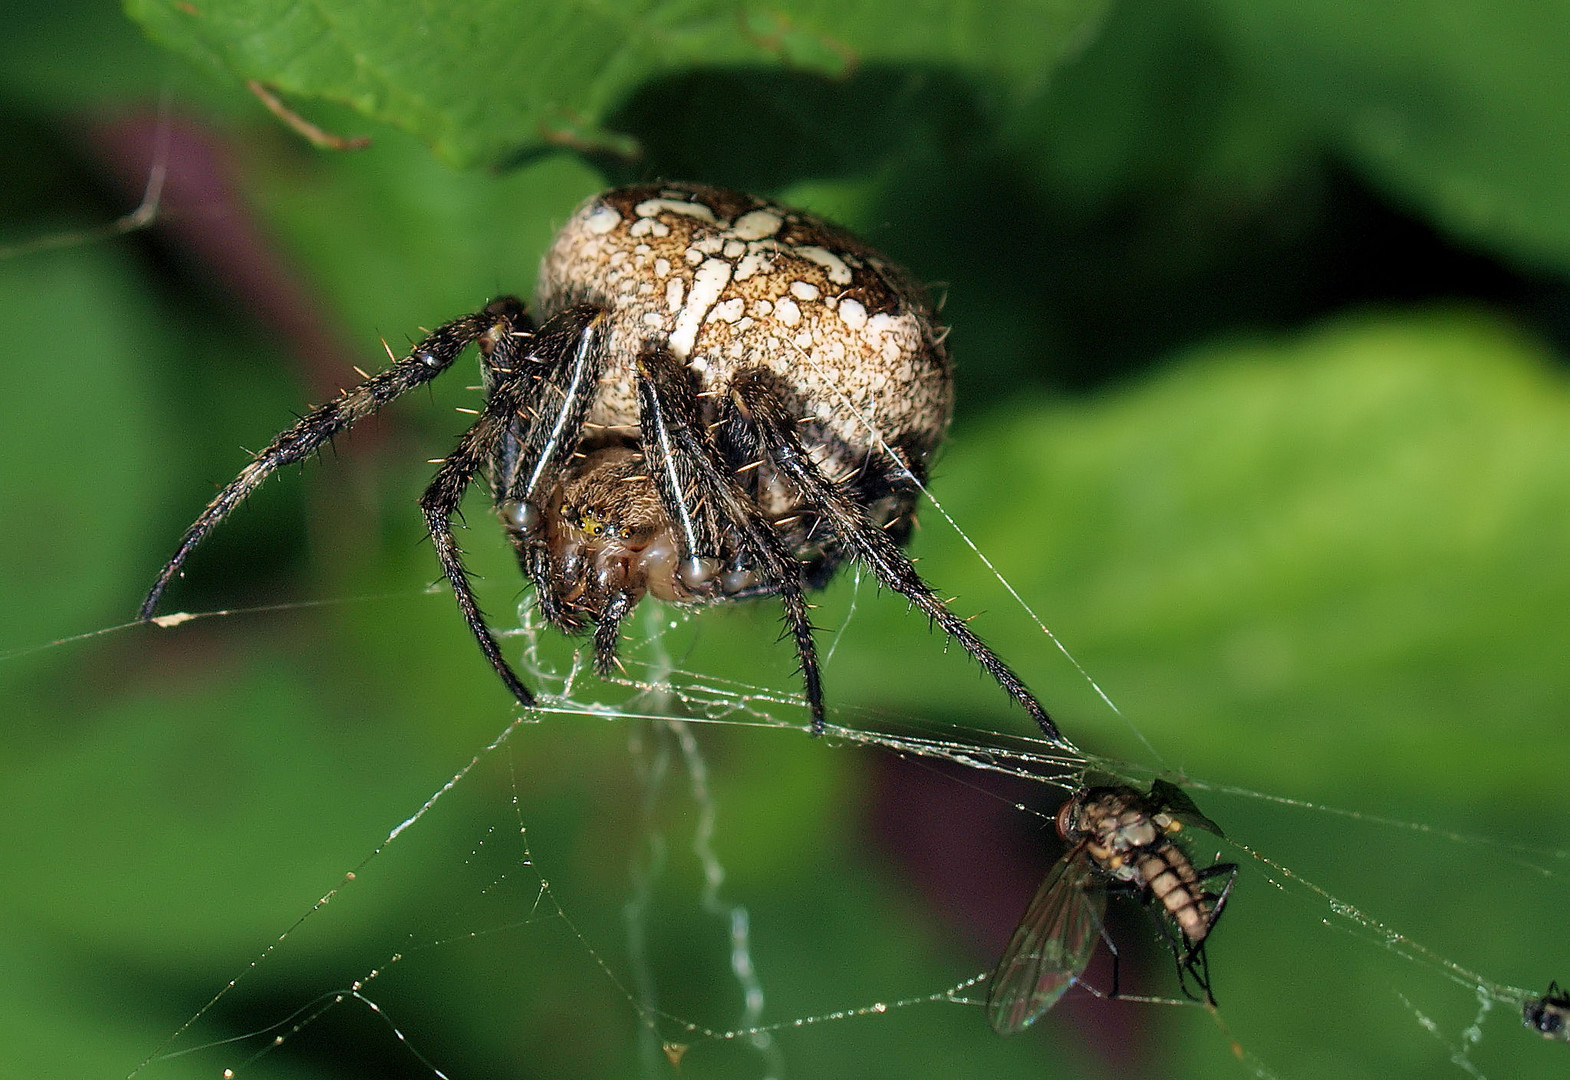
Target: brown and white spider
x,y
724,398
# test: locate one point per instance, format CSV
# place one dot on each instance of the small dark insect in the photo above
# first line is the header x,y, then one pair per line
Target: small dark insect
x,y
1549,1015
1118,840
724,398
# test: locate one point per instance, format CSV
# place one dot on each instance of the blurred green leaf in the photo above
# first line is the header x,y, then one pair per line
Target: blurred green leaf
x,y
205,794
1454,106
1156,105
1343,543
396,240
78,438
75,53
486,82
1326,564
57,994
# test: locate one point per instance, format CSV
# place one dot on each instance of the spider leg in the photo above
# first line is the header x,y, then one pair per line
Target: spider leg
x,y
551,386
606,633
514,371
439,502
704,502
433,355
553,393
761,423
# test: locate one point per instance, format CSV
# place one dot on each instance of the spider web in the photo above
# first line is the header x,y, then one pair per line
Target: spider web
x,y
713,1005
501,891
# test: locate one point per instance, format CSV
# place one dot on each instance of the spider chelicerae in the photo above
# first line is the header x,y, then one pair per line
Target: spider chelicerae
x,y
723,398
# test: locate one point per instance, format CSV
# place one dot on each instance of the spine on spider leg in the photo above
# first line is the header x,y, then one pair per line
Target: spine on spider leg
x,y
759,424
433,355
800,624
687,464
440,501
675,443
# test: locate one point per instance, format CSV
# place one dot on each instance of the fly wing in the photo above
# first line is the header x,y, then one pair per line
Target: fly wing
x,y
1100,778
1175,801
1050,947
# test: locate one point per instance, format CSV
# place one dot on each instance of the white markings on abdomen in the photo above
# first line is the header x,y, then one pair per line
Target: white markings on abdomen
x,y
838,271
707,285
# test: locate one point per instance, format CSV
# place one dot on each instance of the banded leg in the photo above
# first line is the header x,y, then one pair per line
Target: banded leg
x,y
703,500
542,436
520,367
759,424
561,368
432,356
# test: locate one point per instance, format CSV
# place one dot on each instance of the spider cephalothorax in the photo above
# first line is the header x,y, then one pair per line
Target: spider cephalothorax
x,y
723,398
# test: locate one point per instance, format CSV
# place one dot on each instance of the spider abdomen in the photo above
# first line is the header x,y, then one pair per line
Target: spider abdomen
x,y
726,281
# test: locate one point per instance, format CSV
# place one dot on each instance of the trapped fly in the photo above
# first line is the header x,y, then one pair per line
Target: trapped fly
x,y
1118,840
1549,1015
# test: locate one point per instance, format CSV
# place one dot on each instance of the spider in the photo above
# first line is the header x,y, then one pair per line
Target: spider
x,y
723,398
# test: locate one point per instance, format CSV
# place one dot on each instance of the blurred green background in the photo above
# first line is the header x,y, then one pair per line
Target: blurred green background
x,y
1260,315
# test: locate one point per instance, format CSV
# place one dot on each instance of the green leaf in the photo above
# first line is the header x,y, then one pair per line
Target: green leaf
x,y
195,791
1454,106
1346,544
78,408
53,995
486,82
75,53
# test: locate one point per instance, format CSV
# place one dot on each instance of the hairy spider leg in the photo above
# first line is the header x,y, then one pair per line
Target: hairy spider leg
x,y
607,633
541,437
428,359
760,424
564,353
700,494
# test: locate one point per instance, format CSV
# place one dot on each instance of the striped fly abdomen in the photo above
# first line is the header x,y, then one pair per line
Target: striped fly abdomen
x,y
1172,882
